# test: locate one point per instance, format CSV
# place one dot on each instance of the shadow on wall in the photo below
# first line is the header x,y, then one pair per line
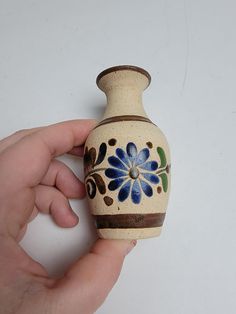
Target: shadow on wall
x,y
85,232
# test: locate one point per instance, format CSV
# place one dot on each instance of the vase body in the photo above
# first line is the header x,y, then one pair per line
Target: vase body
x,y
126,161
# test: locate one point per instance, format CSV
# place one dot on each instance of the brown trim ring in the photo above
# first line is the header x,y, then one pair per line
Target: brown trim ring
x,y
124,67
126,221
124,118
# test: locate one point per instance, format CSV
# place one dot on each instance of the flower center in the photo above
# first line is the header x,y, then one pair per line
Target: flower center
x,y
134,173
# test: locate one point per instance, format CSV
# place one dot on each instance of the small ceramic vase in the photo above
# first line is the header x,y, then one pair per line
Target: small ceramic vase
x,y
126,161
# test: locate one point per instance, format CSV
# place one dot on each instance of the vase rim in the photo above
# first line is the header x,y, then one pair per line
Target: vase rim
x,y
122,68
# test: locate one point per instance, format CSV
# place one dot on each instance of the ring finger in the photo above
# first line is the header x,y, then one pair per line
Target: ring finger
x,y
51,201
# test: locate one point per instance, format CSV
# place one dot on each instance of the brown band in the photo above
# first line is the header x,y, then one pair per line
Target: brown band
x,y
124,67
124,118
125,221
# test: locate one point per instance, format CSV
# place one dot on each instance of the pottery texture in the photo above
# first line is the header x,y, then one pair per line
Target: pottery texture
x,y
126,161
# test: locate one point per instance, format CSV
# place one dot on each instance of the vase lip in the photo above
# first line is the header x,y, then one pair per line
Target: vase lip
x,y
122,68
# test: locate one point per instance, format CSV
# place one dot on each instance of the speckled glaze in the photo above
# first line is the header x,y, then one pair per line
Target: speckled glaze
x,y
126,161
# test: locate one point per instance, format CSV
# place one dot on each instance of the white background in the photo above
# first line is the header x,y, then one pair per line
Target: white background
x,y
50,54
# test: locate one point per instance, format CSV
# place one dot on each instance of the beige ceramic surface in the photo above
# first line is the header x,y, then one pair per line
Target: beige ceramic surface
x,y
124,94
137,233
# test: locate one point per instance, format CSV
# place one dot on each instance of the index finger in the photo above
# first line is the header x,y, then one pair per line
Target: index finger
x,y
27,161
60,138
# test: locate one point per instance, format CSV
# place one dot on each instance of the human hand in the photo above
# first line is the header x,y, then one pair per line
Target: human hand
x,y
31,180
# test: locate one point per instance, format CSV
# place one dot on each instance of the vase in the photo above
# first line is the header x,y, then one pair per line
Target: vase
x,y
126,161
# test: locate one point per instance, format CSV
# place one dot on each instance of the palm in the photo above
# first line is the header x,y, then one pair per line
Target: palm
x,y
31,181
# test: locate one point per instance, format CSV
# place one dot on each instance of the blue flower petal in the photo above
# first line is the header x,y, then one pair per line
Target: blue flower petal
x,y
131,151
123,156
115,184
151,177
142,156
115,162
114,173
147,189
136,193
150,165
124,191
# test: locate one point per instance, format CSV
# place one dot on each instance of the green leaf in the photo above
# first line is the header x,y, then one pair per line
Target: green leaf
x,y
162,156
164,180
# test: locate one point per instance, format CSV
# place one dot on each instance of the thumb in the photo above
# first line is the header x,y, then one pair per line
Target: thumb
x,y
88,282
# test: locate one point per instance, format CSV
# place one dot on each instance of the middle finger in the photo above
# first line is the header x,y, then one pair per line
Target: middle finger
x,y
63,178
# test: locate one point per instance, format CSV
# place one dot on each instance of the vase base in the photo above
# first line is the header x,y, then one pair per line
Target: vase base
x,y
126,234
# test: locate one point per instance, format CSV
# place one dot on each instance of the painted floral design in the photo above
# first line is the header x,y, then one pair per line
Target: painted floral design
x,y
94,181
132,173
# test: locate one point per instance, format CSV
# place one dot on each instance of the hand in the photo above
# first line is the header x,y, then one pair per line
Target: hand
x,y
31,180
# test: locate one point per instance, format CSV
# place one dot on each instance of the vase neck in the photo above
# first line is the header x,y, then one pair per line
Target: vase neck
x,y
125,100
123,89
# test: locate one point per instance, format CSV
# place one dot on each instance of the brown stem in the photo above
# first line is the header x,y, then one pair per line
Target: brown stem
x,y
103,169
163,169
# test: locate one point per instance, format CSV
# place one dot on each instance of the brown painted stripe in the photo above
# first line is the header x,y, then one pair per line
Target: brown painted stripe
x,y
125,221
121,68
124,118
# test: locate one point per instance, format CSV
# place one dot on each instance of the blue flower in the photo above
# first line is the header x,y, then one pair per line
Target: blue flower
x,y
131,173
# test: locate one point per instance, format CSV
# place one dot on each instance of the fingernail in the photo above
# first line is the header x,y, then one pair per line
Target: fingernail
x,y
132,245
73,218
